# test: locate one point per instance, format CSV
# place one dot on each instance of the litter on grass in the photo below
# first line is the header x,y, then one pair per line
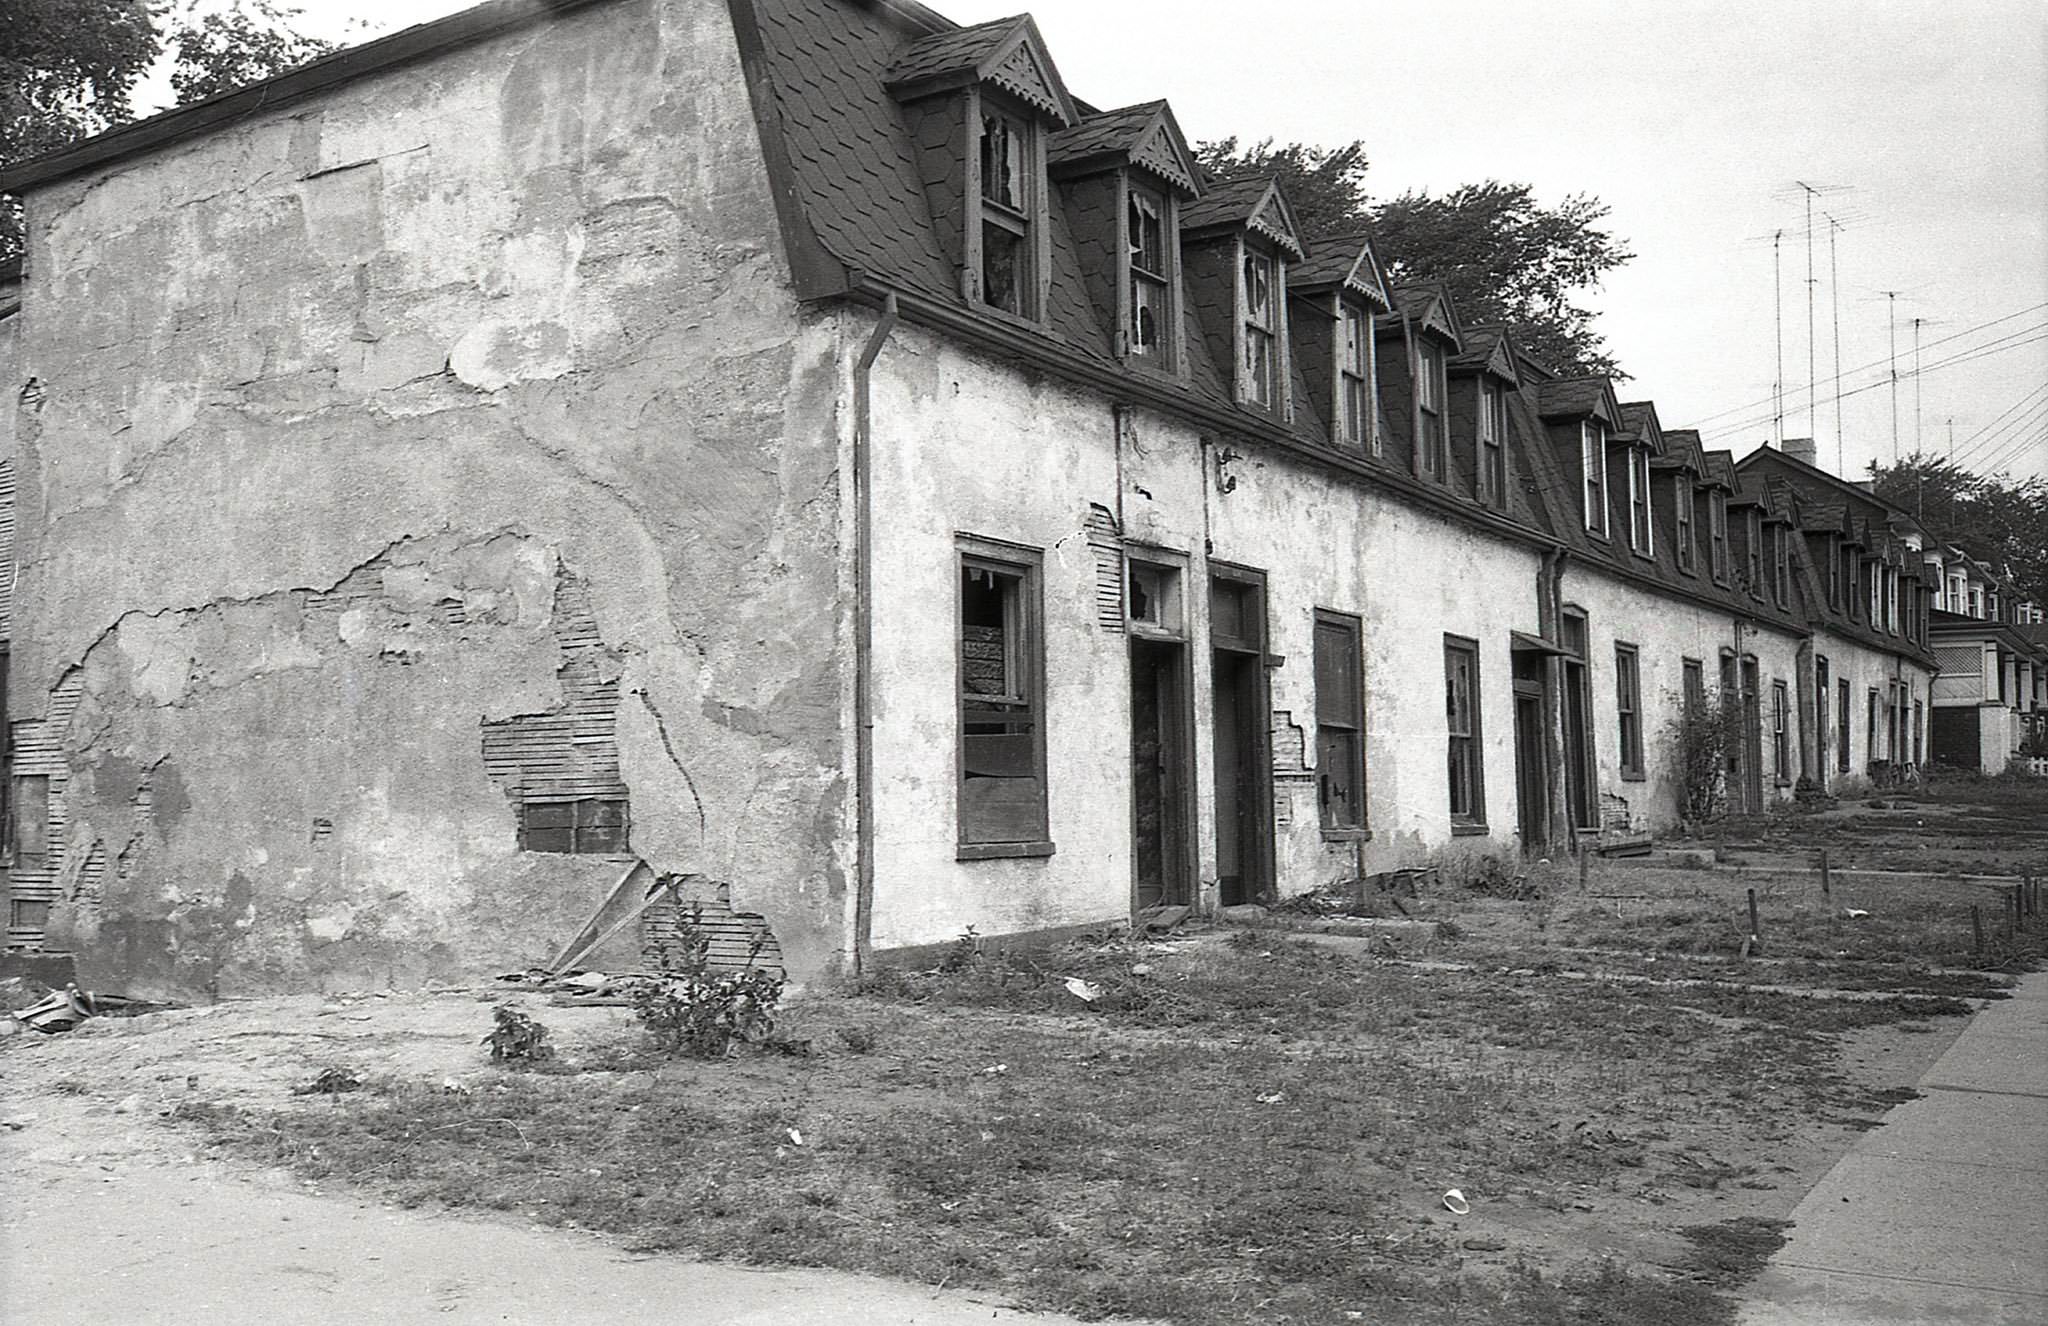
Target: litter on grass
x,y
1455,1203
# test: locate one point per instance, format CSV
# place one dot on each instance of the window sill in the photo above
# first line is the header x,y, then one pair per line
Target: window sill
x,y
1634,776
995,851
1468,829
1347,835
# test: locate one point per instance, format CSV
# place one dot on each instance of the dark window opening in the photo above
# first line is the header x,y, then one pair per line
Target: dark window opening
x,y
1002,748
1628,690
588,824
1149,276
1461,717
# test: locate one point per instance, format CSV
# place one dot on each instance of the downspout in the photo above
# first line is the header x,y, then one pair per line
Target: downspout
x,y
1550,626
864,638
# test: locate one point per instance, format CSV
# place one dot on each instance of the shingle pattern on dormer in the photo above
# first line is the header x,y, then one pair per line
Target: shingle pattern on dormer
x,y
1145,136
1347,261
1007,52
1489,350
1255,203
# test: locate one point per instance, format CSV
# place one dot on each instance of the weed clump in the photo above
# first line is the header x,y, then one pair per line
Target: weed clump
x,y
517,1038
696,1011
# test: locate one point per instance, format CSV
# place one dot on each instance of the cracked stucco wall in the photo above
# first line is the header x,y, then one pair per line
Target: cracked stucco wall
x,y
517,310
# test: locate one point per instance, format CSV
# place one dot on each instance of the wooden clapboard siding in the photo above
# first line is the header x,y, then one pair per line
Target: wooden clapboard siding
x,y
733,935
39,754
571,752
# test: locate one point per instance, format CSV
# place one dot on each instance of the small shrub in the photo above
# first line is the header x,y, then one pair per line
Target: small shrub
x,y
517,1038
695,1011
859,1039
1811,795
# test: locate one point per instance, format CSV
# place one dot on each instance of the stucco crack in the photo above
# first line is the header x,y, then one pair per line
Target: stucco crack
x,y
661,728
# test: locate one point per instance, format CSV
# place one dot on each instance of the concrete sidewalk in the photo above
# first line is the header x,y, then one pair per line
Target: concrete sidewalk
x,y
1941,1214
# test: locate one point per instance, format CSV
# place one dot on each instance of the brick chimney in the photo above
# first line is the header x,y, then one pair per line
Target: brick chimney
x,y
1799,448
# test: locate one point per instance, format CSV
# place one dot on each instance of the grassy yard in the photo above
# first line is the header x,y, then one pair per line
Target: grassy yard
x,y
1237,1129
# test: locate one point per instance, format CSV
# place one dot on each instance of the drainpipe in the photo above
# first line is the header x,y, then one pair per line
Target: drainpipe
x,y
1550,626
864,638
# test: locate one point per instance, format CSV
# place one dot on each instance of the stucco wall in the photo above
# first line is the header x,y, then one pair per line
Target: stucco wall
x,y
967,445
432,345
1867,669
1666,631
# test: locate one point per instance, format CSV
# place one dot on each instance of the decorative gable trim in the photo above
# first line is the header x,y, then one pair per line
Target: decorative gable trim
x,y
1249,206
1144,137
1347,262
1008,53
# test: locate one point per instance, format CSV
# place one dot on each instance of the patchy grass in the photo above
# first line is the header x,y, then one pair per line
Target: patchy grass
x,y
1257,1130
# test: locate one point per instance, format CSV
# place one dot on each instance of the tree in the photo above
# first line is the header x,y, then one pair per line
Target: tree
x,y
69,68
1504,257
2002,520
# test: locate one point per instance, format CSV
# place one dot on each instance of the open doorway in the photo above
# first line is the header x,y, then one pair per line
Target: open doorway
x,y
1243,763
1162,741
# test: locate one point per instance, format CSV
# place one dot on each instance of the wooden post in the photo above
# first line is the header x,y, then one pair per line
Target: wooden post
x,y
1825,890
1977,925
1756,935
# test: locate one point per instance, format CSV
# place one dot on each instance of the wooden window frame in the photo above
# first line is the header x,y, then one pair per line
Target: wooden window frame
x,y
1753,551
1628,708
1593,480
1026,648
1781,565
1347,726
1491,447
1717,535
1432,426
1641,535
1845,723
1358,389
1022,219
1255,337
1781,732
1165,284
1693,684
1465,750
1687,553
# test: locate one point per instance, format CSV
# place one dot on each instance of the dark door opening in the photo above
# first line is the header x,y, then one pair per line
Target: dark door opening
x,y
1752,739
1243,766
1532,786
1162,775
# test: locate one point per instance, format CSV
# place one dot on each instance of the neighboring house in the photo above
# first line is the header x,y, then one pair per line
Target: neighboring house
x,y
797,442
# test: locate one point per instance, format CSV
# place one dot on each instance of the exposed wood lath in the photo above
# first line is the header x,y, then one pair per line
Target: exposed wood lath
x,y
1106,541
738,940
41,776
571,752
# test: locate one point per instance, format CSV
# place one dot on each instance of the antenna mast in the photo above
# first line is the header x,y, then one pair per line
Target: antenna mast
x,y
1835,297
1812,393
1891,315
1778,384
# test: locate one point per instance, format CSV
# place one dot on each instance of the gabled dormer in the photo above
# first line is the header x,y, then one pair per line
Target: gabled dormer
x,y
1583,417
1713,494
1333,297
1482,375
980,103
1780,526
1746,530
1680,470
1640,442
1237,240
1123,177
1417,342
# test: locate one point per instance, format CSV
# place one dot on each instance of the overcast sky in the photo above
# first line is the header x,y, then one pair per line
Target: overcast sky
x,y
1925,124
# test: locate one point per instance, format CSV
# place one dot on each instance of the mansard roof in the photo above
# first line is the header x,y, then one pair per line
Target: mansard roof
x,y
1145,136
1682,450
1639,422
1427,305
1590,397
1490,350
1346,261
1008,52
1255,203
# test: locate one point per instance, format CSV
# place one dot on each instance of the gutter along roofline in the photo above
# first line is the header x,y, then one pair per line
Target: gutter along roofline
x,y
1004,341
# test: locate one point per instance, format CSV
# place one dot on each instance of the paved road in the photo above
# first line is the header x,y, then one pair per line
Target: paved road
x,y
138,1243
1941,1214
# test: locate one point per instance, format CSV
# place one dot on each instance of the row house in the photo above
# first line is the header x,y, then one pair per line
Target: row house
x,y
800,444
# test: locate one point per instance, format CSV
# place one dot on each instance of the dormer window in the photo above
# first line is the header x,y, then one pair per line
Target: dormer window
x,y
1781,566
1259,297
1717,534
1688,553
1593,464
1639,535
1874,594
1429,406
1834,572
1753,551
1008,152
1151,277
1357,382
1493,432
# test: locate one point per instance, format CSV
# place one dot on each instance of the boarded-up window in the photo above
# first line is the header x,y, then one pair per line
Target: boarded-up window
x,y
561,768
1781,733
1340,722
1002,731
1695,682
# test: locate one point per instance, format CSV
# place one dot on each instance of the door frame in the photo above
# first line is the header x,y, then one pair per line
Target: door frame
x,y
1172,633
1258,872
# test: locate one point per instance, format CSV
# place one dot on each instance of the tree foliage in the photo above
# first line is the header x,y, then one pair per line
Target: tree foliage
x,y
1999,519
69,68
1505,257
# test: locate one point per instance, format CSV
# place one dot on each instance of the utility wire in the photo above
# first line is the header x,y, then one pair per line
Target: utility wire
x,y
1996,420
1989,435
1879,363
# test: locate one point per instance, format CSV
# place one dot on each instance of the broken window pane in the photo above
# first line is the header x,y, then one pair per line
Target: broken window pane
x,y
1340,722
1002,776
1002,160
1001,254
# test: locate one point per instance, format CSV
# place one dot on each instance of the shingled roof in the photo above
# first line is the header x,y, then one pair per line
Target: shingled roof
x,y
1347,260
1252,202
1007,51
1145,135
